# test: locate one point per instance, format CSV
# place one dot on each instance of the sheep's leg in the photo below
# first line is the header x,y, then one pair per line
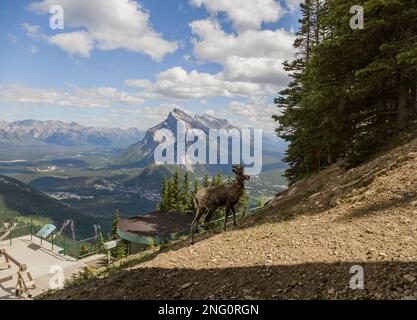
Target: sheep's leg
x,y
209,216
234,215
225,218
195,222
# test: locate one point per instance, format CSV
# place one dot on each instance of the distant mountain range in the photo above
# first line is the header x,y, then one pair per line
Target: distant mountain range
x,y
141,153
66,134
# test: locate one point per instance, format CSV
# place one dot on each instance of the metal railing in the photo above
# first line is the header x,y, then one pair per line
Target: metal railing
x,y
91,247
74,248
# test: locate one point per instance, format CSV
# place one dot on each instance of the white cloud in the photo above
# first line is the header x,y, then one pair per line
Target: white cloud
x,y
214,45
105,25
252,56
244,14
32,31
103,97
292,5
75,43
258,106
246,71
177,83
257,70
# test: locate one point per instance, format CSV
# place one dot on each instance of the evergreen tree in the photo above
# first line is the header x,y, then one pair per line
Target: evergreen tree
x,y
219,179
172,195
120,251
333,110
213,181
206,181
164,195
100,243
243,204
185,198
116,220
177,205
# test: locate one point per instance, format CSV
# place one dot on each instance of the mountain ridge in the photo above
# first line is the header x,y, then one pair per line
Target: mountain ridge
x,y
141,153
67,134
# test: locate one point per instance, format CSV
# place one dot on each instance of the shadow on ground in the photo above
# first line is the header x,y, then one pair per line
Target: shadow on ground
x,y
382,280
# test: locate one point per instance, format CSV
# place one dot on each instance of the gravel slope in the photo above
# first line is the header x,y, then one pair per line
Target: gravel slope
x,y
302,245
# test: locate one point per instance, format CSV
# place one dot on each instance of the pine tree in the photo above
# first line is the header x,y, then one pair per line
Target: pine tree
x,y
333,110
243,204
213,181
100,243
219,179
172,196
177,205
120,251
185,195
206,181
164,204
116,220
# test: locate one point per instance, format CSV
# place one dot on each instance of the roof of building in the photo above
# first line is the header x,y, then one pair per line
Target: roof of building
x,y
158,225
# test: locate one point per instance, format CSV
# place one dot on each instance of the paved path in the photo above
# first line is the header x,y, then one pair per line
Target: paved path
x,y
40,260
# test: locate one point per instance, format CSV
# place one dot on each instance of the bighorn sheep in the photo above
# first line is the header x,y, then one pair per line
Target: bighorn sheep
x,y
225,195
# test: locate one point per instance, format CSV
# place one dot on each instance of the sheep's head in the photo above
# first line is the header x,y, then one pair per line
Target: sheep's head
x,y
239,171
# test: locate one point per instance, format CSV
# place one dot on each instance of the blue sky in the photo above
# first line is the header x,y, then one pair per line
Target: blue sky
x,y
125,63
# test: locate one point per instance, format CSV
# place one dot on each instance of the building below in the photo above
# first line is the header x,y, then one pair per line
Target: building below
x,y
153,228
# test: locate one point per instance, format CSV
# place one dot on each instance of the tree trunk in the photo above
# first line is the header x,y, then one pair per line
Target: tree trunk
x,y
403,110
317,13
308,44
413,100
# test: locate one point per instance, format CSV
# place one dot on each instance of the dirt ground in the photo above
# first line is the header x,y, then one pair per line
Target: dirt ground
x,y
301,246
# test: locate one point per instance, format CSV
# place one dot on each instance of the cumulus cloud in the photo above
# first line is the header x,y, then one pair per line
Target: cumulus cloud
x,y
257,70
238,56
75,43
258,106
244,15
177,83
246,71
214,45
105,25
102,97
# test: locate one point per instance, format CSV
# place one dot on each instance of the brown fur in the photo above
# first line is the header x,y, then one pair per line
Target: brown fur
x,y
223,196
